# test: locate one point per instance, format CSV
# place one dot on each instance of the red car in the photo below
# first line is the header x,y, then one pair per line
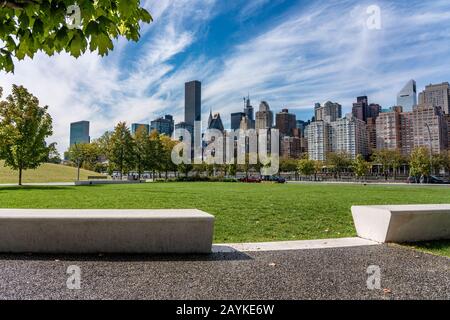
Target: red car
x,y
250,180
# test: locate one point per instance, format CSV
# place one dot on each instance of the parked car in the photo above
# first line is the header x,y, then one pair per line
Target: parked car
x,y
250,180
274,179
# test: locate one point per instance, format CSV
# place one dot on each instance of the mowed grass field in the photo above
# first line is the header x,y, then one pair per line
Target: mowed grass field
x,y
47,172
244,212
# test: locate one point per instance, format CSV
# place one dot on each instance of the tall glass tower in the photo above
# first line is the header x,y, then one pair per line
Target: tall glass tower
x,y
407,97
79,132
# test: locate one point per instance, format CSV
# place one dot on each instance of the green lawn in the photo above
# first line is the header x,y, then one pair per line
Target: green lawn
x,y
47,172
244,212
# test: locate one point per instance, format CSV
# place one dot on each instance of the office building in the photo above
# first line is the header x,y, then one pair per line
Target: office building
x,y
286,123
388,130
290,147
264,117
236,118
361,108
163,125
318,134
248,109
349,135
79,132
372,134
374,110
329,112
436,95
193,102
139,126
184,126
430,128
407,97
215,122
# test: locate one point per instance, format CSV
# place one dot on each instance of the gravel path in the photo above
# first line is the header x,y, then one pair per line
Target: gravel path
x,y
338,273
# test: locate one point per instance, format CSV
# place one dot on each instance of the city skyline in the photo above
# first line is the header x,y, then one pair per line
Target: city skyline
x,y
274,50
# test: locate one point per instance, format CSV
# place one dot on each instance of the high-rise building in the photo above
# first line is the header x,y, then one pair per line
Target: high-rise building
x,y
407,97
79,132
193,102
136,126
236,118
286,122
430,128
436,95
264,117
406,133
164,125
248,109
349,135
361,108
329,112
184,126
388,130
374,110
291,147
372,134
346,135
318,134
215,122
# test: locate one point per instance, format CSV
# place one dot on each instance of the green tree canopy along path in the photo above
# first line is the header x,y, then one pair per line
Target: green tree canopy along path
x,y
29,26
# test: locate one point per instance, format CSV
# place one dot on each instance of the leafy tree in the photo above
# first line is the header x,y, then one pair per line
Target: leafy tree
x,y
396,160
141,141
437,162
360,166
122,149
306,167
53,154
420,162
154,153
384,158
84,154
185,168
166,156
338,161
318,166
24,126
29,26
446,163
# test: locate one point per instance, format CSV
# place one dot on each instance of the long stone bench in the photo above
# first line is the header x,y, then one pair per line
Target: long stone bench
x,y
404,223
105,231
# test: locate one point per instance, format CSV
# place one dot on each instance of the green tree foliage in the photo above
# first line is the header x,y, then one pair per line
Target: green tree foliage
x,y
306,167
121,155
420,162
360,166
24,126
53,154
29,26
86,154
338,162
141,142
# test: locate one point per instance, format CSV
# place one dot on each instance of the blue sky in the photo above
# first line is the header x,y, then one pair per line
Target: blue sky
x,y
289,53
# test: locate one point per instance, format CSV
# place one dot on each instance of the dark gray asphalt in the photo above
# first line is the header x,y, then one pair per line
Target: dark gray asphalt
x,y
309,274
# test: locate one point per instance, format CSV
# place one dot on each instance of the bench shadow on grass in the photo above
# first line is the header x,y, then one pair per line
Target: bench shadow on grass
x,y
225,254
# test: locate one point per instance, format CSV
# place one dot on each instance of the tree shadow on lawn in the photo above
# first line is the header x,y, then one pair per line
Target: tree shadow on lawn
x,y
43,188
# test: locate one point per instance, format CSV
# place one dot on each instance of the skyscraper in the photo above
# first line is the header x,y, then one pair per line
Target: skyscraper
x,y
79,132
163,125
136,126
236,120
248,110
193,102
361,108
430,128
436,95
215,122
407,97
286,122
329,112
264,117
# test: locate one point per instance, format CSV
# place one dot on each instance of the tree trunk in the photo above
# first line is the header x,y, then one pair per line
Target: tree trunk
x,y
20,176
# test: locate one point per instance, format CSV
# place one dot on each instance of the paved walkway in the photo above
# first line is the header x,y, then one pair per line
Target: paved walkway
x,y
333,273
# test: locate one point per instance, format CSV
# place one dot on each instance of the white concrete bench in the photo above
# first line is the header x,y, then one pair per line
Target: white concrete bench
x,y
405,223
105,231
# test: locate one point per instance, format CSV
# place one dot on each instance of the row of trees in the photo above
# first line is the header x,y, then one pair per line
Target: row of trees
x,y
120,151
420,163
